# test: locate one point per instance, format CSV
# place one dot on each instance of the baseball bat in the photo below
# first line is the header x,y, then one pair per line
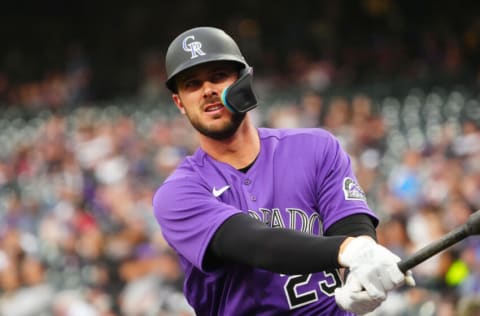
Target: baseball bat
x,y
471,227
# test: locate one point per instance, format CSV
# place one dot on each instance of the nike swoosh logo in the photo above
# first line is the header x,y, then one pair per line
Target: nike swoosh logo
x,y
217,193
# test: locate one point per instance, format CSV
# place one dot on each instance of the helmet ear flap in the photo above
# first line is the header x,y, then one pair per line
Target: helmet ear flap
x,y
239,97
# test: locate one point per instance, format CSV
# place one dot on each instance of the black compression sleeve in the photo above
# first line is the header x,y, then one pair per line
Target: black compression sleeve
x,y
354,225
245,240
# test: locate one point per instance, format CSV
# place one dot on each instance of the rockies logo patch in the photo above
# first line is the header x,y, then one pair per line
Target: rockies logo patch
x,y
352,190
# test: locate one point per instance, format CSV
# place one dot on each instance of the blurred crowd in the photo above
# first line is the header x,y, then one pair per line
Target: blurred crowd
x,y
80,54
78,236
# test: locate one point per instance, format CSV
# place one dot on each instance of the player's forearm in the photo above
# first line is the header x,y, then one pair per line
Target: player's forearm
x,y
244,240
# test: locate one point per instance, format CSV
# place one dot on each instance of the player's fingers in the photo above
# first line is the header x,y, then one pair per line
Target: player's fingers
x,y
386,281
358,302
364,303
395,276
373,286
353,284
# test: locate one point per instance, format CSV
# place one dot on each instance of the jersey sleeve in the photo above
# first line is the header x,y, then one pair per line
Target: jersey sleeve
x,y
338,191
189,215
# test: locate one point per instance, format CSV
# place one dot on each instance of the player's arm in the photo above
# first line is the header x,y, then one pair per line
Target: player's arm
x,y
354,225
243,239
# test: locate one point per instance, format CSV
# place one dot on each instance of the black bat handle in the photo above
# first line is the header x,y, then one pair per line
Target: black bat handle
x,y
471,227
431,249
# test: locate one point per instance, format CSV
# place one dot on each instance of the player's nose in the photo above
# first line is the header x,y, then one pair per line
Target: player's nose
x,y
209,89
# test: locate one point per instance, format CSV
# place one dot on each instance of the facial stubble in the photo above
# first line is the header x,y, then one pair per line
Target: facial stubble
x,y
226,131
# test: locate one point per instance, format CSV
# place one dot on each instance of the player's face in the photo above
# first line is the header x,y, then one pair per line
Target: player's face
x,y
198,97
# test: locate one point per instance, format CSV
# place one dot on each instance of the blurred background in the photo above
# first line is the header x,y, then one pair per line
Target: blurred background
x,y
88,132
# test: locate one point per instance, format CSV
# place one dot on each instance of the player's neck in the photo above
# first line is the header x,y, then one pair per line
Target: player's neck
x,y
238,151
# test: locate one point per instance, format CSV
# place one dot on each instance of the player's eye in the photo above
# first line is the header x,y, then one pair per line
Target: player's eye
x,y
219,76
192,84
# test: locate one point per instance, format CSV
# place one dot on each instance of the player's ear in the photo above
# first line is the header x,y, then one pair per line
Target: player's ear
x,y
178,103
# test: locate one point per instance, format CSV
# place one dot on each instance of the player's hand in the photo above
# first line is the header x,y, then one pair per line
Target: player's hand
x,y
374,266
351,297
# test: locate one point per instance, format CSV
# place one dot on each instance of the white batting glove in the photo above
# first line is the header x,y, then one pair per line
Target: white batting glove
x,y
374,266
351,297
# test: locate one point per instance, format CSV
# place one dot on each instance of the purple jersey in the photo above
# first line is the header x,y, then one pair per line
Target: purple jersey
x,y
302,180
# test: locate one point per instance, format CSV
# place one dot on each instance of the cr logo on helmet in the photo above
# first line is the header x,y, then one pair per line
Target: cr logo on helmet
x,y
195,48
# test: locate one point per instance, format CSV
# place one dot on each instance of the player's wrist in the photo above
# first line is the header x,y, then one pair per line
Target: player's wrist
x,y
350,247
342,248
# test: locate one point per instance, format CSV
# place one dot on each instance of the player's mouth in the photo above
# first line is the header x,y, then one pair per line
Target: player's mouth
x,y
214,107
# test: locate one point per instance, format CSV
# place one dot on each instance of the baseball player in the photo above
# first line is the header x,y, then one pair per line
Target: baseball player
x,y
263,220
